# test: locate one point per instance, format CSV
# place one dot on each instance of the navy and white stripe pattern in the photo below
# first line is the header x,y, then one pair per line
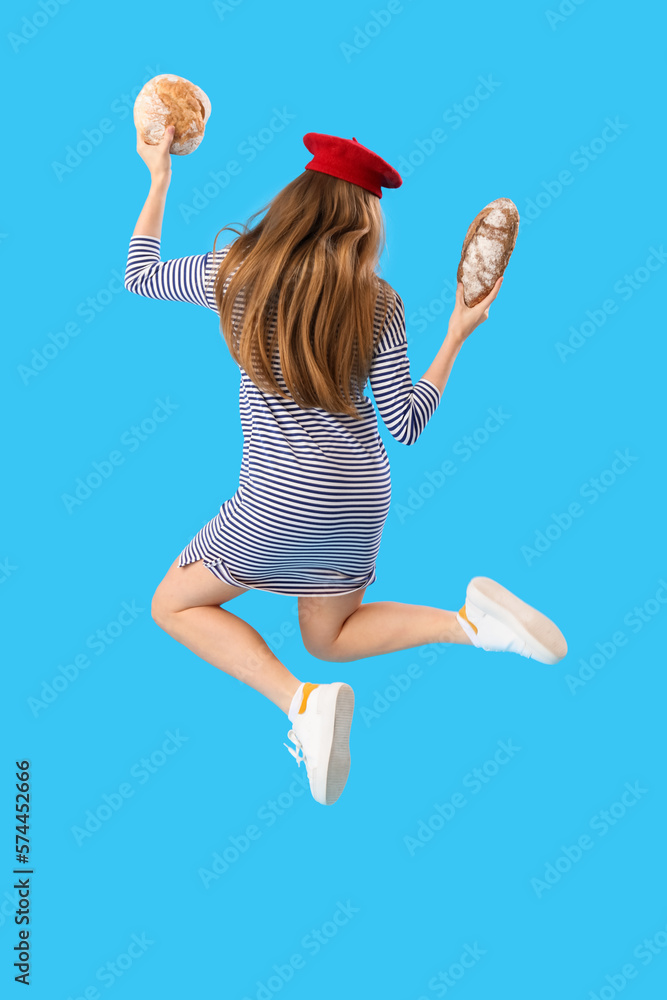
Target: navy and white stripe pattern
x,y
314,487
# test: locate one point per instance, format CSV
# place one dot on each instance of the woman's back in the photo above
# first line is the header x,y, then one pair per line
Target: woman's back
x,y
405,409
314,486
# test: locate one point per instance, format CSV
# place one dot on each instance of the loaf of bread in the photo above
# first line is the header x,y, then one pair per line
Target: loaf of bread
x,y
487,249
171,100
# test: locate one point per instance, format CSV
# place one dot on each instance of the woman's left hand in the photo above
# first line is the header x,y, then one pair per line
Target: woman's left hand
x,y
157,158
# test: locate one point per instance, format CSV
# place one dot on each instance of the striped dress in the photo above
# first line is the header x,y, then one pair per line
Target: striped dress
x,y
314,487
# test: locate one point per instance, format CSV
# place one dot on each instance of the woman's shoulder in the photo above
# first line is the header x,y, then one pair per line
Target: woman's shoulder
x,y
220,253
214,262
385,290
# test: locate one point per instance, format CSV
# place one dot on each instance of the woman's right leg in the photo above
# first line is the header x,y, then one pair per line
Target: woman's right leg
x,y
186,605
342,629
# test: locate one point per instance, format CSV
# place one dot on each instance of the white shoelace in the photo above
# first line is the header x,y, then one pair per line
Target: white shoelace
x,y
299,748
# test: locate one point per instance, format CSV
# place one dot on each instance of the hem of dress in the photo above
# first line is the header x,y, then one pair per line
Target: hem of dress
x,y
281,593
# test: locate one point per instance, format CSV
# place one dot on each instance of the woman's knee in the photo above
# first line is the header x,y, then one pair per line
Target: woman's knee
x,y
323,649
161,607
321,620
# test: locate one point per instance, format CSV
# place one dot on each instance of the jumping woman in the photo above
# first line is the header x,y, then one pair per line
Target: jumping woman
x,y
309,322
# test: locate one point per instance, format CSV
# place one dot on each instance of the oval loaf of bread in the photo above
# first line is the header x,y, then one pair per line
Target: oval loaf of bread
x,y
168,99
487,249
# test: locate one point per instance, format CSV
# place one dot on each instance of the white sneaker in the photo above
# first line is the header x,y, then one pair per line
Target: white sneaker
x,y
496,620
321,717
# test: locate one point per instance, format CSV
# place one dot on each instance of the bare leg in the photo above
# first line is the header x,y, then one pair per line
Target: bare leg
x,y
342,629
187,606
386,626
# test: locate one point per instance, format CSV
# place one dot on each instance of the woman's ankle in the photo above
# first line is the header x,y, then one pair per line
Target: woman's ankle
x,y
292,691
459,636
452,631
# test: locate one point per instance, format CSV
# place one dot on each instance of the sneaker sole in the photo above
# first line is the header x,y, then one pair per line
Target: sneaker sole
x,y
337,766
545,640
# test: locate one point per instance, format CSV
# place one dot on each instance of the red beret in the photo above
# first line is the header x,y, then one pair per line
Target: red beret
x,y
350,161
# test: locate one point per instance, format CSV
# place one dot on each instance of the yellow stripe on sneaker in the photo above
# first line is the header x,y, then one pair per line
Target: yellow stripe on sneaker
x,y
463,614
307,688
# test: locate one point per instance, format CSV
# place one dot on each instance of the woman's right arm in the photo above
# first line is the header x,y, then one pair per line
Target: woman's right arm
x,y
406,408
462,322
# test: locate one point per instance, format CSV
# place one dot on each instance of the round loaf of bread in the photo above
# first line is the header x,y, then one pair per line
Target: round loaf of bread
x,y
168,99
487,249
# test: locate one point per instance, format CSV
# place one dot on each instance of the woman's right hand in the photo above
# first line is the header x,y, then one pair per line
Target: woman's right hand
x,y
464,319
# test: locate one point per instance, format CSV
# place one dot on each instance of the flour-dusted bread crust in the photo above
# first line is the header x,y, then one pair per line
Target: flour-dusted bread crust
x,y
487,249
168,99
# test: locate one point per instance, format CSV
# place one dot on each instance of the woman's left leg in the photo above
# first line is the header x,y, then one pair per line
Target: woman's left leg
x,y
186,605
344,629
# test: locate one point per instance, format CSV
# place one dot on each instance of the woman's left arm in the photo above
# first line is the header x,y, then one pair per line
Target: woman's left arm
x,y
183,279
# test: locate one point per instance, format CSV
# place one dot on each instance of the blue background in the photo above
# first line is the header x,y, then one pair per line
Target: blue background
x,y
410,912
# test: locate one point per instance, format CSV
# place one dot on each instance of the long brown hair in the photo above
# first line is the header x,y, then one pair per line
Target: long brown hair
x,y
309,265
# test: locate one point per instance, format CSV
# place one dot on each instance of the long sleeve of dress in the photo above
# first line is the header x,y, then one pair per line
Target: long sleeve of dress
x,y
405,408
183,279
